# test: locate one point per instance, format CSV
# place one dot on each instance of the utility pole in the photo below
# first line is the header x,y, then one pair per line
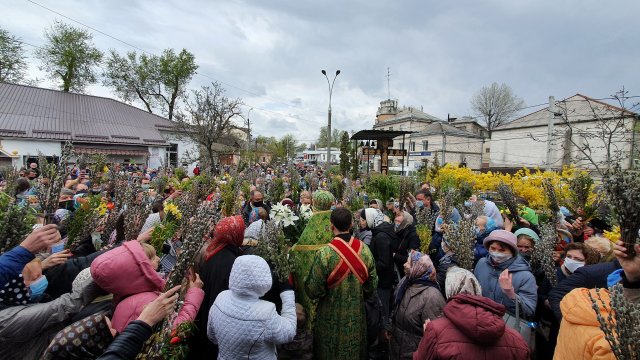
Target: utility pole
x,y
552,111
248,130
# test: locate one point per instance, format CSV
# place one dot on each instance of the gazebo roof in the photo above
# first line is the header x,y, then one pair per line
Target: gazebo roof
x,y
378,134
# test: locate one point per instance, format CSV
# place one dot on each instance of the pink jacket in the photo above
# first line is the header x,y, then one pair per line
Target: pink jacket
x,y
127,273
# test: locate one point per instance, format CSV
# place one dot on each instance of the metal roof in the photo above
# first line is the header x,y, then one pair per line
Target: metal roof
x,y
444,128
378,134
577,108
31,112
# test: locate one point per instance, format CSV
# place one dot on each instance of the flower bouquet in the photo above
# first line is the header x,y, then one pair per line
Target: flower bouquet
x,y
167,228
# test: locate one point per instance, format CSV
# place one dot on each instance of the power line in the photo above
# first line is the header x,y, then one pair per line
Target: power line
x,y
149,53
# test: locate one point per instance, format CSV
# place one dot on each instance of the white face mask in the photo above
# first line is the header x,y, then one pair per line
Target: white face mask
x,y
572,265
499,257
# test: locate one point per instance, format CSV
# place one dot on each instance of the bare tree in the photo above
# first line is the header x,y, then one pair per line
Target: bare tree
x,y
598,133
208,121
497,104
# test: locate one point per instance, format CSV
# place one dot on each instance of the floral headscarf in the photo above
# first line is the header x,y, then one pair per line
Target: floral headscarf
x,y
422,271
322,200
228,231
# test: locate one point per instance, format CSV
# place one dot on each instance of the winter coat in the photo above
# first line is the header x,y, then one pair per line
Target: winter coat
x,y
472,328
12,262
141,285
444,264
215,276
128,344
243,326
26,330
383,244
435,247
408,240
419,303
580,335
590,277
524,284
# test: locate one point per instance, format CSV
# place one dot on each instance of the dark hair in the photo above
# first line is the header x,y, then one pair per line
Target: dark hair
x,y
341,219
425,192
22,185
157,206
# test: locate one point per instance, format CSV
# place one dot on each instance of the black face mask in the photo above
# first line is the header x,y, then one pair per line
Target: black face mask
x,y
526,256
67,205
258,204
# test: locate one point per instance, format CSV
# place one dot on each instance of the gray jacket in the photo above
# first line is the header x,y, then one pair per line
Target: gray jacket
x,y
27,330
524,284
419,303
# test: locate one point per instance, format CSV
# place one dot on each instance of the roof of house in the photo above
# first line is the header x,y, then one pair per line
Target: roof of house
x,y
443,127
577,108
37,113
408,114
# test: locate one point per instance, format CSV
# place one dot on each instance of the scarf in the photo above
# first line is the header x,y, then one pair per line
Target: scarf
x,y
407,220
421,272
84,339
228,231
374,217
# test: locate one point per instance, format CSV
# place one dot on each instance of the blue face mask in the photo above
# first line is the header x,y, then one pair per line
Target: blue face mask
x,y
468,203
420,204
333,207
439,221
38,287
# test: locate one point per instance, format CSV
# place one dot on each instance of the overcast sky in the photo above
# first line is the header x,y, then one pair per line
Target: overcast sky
x,y
440,53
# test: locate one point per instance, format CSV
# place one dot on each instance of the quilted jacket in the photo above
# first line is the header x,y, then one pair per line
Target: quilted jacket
x,y
580,335
141,285
243,326
472,328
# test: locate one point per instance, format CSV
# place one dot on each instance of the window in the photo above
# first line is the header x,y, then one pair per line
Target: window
x,y
487,150
172,155
390,163
425,145
412,146
390,128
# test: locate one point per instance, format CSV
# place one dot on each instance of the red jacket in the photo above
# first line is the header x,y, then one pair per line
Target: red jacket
x,y
472,328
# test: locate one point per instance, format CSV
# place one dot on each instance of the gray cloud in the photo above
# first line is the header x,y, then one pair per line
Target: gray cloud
x,y
439,54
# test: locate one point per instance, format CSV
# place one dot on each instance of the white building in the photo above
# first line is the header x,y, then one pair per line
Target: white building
x,y
459,141
34,120
578,125
319,155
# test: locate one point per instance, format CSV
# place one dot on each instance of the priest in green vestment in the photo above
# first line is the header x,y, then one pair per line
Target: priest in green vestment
x,y
340,329
315,235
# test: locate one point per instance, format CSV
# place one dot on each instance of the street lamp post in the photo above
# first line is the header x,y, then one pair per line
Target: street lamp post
x,y
330,83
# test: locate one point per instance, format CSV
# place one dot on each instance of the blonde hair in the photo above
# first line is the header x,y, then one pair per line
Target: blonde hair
x,y
602,245
32,271
149,250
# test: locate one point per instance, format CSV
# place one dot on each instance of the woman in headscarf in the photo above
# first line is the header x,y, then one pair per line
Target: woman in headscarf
x,y
408,237
417,300
222,251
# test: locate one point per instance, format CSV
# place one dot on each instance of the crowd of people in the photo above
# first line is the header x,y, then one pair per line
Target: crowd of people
x,y
362,285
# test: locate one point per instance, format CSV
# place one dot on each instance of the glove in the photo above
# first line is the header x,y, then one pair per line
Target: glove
x,y
286,285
